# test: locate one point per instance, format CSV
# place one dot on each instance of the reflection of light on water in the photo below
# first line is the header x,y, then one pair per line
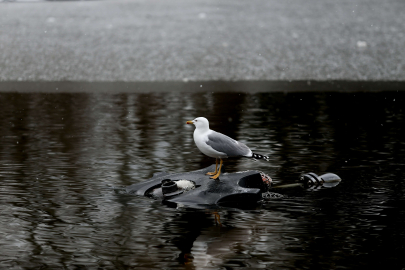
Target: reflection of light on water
x,y
57,203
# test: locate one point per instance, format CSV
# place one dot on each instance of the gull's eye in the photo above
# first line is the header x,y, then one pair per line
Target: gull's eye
x,y
196,120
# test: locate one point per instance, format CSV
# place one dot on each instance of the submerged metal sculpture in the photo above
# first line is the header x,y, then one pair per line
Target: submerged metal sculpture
x,y
236,189
198,190
313,181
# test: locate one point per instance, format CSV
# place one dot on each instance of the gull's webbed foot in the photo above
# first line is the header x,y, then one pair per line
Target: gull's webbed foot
x,y
216,169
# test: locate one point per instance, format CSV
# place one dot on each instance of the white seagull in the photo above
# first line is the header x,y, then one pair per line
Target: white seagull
x,y
219,146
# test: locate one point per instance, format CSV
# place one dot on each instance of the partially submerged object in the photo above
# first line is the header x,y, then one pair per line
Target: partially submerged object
x,y
313,181
241,189
232,189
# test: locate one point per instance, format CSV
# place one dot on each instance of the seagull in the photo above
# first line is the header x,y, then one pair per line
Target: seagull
x,y
218,145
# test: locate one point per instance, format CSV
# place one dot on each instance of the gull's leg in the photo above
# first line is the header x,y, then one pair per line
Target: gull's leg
x,y
219,171
216,167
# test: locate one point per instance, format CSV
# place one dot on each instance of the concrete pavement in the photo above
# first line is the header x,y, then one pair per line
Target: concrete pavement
x,y
182,40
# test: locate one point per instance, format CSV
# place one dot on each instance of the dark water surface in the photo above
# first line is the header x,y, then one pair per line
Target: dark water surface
x,y
63,156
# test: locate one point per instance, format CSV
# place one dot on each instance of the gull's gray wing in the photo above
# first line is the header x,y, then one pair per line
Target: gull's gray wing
x,y
224,144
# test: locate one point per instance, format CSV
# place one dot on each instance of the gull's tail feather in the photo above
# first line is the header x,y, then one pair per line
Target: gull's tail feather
x,y
258,156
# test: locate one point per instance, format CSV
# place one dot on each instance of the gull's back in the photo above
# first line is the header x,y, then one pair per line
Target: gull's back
x,y
227,145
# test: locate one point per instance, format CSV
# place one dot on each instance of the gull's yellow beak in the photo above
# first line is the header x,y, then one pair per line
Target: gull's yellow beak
x,y
190,122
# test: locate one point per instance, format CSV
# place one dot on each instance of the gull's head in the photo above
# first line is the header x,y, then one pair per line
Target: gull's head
x,y
200,123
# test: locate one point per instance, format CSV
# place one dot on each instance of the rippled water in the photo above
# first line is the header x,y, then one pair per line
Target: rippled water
x,y
63,155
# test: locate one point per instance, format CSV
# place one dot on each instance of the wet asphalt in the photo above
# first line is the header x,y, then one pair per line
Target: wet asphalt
x,y
181,40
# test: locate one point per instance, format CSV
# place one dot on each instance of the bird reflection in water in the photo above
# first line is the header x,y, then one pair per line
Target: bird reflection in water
x,y
217,218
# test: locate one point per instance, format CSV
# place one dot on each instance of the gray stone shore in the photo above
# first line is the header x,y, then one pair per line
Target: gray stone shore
x,y
183,40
